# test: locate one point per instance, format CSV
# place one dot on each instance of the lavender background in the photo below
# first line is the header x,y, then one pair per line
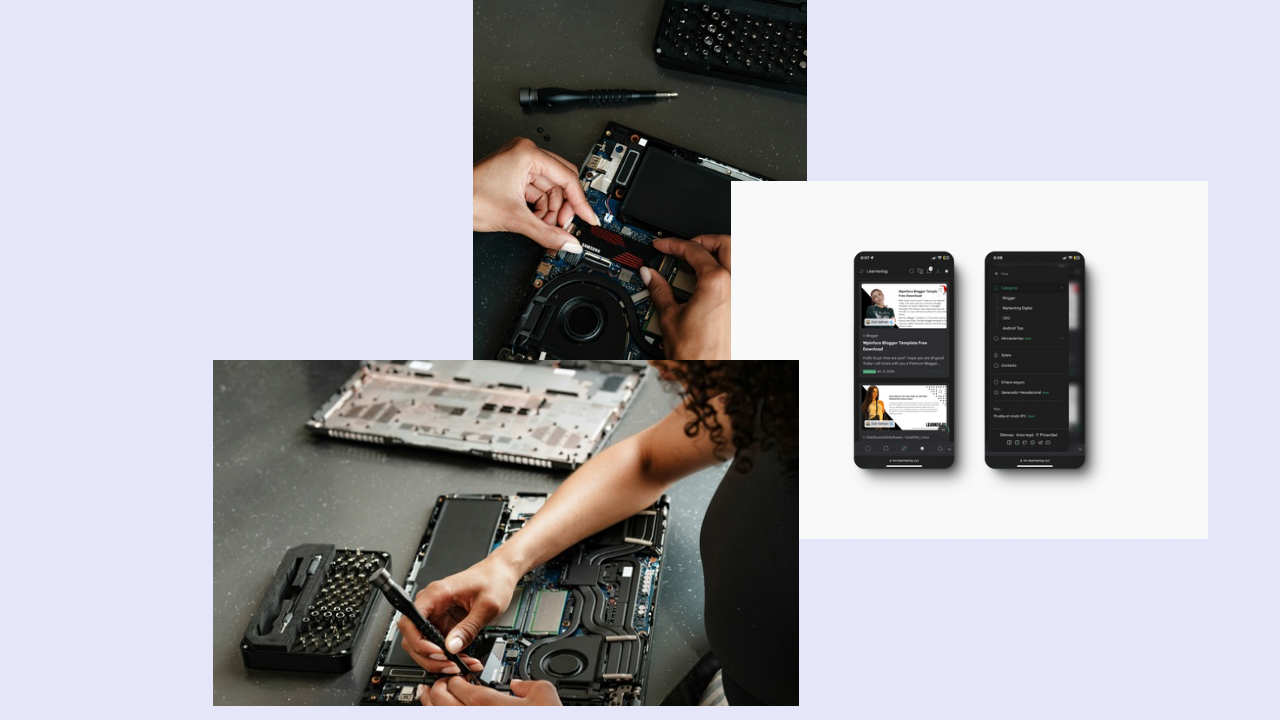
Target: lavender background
x,y
1089,90
185,181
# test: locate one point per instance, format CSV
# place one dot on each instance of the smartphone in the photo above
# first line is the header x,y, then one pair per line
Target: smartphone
x,y
903,335
1035,330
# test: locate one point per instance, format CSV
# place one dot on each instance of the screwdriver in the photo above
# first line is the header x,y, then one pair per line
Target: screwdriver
x,y
559,97
400,601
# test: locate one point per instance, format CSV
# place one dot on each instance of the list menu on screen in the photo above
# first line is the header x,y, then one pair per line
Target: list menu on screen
x,y
1035,374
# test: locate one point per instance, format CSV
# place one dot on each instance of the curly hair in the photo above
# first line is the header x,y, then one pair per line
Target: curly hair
x,y
761,398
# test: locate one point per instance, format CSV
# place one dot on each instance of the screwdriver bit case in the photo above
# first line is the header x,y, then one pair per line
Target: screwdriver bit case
x,y
761,42
313,620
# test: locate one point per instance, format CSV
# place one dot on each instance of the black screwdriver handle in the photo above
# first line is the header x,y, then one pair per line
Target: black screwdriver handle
x,y
604,97
430,632
559,97
399,599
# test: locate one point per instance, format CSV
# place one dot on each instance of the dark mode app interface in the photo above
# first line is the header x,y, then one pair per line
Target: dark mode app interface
x,y
1034,305
903,370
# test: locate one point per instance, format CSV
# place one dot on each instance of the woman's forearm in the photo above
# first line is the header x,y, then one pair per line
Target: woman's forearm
x,y
613,486
602,492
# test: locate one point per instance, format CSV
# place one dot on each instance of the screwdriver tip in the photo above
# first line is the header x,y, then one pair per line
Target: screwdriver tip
x,y
668,95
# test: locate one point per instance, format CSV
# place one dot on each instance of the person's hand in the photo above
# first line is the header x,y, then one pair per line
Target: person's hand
x,y
460,606
698,329
457,691
518,175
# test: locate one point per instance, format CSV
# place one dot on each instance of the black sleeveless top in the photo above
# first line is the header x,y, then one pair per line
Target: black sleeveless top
x,y
750,563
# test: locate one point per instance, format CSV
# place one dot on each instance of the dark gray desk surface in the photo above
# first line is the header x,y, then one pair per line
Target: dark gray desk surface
x,y
275,486
595,45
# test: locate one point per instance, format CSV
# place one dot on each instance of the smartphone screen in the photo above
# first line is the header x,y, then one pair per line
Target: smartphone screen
x,y
1035,359
903,336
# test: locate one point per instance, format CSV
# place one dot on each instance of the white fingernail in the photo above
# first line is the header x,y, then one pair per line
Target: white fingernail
x,y
573,246
437,656
454,644
644,275
450,670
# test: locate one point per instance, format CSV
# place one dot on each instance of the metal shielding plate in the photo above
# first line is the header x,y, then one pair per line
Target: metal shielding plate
x,y
541,415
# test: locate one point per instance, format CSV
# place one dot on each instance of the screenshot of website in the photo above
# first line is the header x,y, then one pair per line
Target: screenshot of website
x,y
1035,359
903,367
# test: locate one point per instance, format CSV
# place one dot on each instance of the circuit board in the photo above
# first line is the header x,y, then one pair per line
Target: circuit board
x,y
623,273
627,276
548,415
581,621
641,189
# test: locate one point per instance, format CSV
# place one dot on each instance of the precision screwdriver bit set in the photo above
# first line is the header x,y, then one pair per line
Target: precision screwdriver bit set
x,y
761,42
315,610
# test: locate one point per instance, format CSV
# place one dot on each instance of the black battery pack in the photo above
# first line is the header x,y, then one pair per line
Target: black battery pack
x,y
314,611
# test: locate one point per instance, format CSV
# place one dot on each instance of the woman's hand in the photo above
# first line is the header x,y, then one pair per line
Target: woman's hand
x,y
460,606
699,329
520,174
457,691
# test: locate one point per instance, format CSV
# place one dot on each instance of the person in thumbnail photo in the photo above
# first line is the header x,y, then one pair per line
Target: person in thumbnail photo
x,y
878,310
872,408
